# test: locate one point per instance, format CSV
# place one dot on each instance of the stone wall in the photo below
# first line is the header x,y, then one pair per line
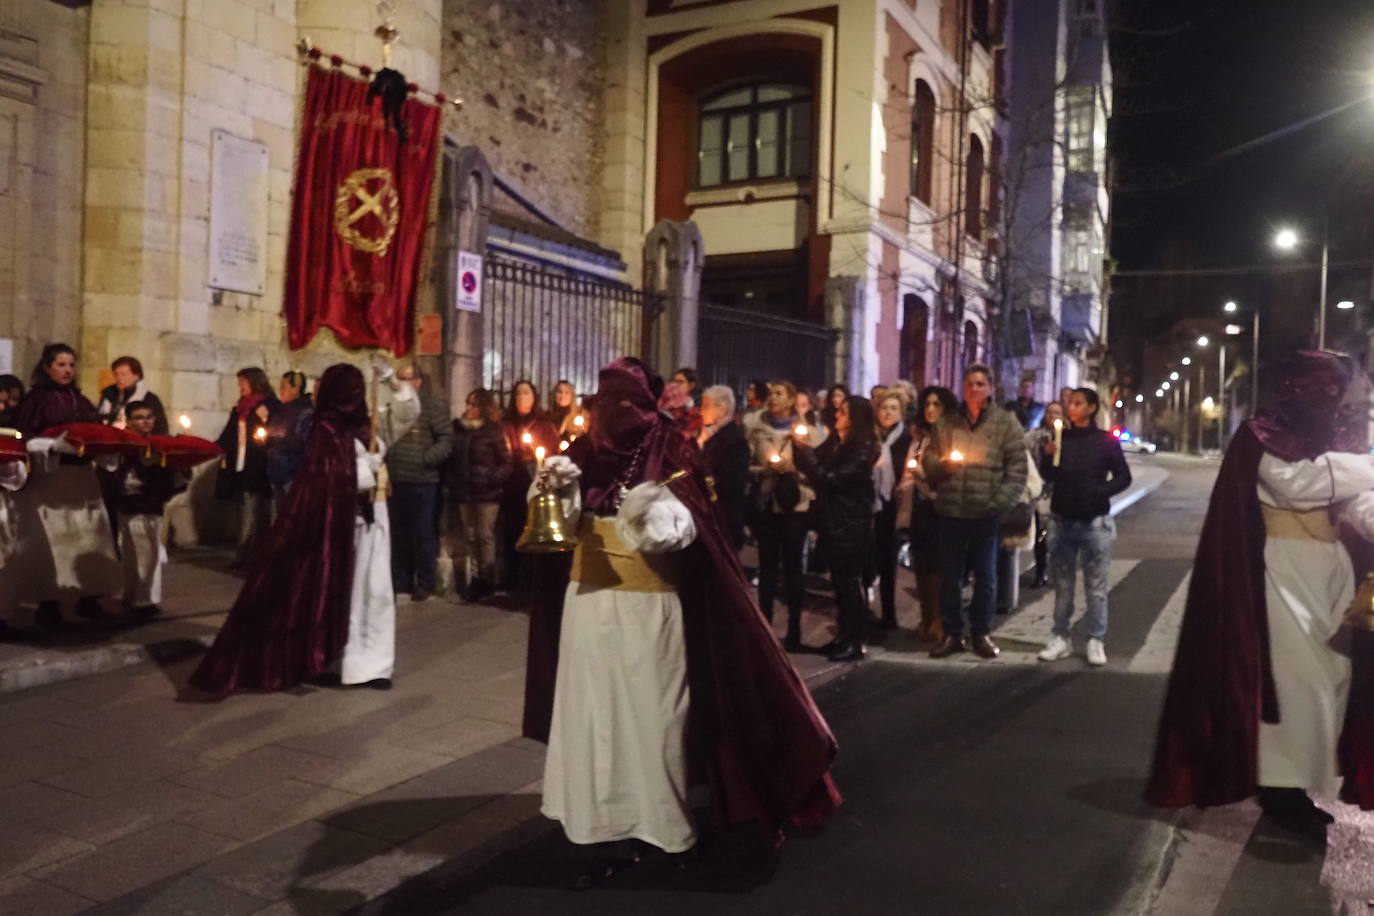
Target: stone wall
x,y
42,115
532,76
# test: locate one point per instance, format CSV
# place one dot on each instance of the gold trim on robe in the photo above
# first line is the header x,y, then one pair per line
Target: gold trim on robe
x,y
1299,525
602,561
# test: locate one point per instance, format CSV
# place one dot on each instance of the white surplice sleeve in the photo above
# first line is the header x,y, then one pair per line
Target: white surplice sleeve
x,y
1327,479
653,520
368,464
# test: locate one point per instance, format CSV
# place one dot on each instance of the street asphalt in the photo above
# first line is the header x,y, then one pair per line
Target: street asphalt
x,y
996,788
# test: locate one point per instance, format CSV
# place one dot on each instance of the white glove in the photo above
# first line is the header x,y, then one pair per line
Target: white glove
x,y
383,372
63,447
653,520
39,445
560,471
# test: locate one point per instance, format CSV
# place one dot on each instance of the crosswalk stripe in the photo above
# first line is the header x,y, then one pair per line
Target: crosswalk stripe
x,y
1157,655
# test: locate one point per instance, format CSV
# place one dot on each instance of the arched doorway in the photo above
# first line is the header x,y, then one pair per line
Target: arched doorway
x,y
911,360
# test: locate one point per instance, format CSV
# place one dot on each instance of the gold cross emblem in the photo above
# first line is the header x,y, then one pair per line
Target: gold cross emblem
x,y
358,198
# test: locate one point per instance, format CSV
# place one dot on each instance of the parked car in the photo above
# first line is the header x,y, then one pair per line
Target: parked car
x,y
1130,442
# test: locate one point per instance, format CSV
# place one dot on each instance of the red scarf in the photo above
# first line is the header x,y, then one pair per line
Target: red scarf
x,y
247,404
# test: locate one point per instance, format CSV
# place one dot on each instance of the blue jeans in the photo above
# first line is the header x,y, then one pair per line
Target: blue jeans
x,y
414,536
1088,542
968,545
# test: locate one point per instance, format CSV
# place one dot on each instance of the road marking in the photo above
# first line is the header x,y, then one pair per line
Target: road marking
x,y
1208,845
1156,656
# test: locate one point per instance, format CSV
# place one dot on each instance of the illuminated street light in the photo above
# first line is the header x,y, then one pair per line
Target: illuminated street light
x,y
1229,307
1207,403
1173,376
1187,360
1285,240
1119,405
1165,386
1345,304
1159,392
1140,399
1203,341
1233,329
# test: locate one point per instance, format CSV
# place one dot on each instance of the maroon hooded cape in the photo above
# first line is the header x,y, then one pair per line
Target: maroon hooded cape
x,y
290,622
1222,684
755,735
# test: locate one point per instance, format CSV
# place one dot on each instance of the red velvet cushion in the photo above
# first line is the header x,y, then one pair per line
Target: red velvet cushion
x,y
98,439
12,449
184,451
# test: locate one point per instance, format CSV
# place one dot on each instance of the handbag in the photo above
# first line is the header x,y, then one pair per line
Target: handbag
x,y
1017,522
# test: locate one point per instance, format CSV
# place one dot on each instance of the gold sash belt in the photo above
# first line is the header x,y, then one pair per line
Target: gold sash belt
x,y
602,560
1309,525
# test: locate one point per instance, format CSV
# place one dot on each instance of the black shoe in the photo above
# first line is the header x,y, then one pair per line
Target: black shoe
x,y
378,683
983,646
88,608
327,679
792,643
420,594
847,652
947,646
1039,581
1293,804
146,611
479,590
49,616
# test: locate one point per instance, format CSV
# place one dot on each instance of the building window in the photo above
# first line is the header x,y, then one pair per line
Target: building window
x,y
922,142
980,22
973,189
970,344
1080,107
761,131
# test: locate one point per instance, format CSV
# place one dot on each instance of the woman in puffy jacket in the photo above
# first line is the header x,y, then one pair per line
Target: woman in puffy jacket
x,y
478,470
841,470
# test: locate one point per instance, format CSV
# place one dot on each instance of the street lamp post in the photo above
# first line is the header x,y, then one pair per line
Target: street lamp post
x,y
1231,308
1287,240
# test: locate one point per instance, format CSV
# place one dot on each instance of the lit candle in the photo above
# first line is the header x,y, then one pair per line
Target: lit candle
x,y
911,463
775,459
261,434
956,455
527,438
563,446
539,457
1058,439
579,420
185,422
800,431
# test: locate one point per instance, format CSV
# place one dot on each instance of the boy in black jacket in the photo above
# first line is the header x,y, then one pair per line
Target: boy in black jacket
x,y
142,489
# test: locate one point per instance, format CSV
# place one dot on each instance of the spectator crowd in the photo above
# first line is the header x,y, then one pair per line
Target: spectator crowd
x,y
858,487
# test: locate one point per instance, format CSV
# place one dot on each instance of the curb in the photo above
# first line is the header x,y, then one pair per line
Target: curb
x,y
1131,497
53,666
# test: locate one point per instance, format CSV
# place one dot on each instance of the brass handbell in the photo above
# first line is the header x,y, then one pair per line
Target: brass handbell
x,y
546,530
1360,616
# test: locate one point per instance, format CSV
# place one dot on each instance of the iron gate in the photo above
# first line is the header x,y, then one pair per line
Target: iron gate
x,y
544,326
736,346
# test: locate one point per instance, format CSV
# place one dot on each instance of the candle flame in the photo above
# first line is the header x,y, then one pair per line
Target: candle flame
x,y
775,459
911,463
1058,423
800,430
956,455
527,438
185,421
563,446
261,433
539,453
579,420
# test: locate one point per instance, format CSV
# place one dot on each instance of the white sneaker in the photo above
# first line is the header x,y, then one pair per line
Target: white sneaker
x,y
1057,648
1097,653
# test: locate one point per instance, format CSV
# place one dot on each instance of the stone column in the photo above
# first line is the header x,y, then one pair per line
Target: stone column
x,y
673,258
464,207
844,309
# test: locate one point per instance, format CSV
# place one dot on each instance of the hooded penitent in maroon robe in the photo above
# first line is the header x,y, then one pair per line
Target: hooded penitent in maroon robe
x,y
755,736
1221,686
290,622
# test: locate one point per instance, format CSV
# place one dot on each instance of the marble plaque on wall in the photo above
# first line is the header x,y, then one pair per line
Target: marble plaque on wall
x,y
238,214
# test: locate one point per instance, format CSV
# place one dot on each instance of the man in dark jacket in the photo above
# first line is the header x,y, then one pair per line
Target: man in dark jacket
x,y
413,462
725,452
977,463
477,475
143,488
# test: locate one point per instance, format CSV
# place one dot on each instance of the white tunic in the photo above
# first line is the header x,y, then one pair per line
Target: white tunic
x,y
1308,586
371,649
65,545
617,761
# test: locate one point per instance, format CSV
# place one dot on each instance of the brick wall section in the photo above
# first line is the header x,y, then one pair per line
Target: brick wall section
x,y
532,76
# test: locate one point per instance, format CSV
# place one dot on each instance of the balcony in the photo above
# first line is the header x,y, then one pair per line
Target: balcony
x,y
1081,317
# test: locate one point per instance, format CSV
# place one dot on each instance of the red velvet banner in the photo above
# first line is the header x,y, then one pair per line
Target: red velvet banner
x,y
358,216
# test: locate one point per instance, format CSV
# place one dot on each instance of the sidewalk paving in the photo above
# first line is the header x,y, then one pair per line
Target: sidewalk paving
x,y
117,798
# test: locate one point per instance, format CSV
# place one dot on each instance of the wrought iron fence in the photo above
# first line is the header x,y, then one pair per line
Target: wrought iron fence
x,y
736,346
544,326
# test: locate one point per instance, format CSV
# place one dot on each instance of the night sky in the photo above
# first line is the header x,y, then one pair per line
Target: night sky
x,y
1197,79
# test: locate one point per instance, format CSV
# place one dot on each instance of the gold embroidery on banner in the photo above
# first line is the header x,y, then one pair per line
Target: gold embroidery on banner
x,y
355,200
